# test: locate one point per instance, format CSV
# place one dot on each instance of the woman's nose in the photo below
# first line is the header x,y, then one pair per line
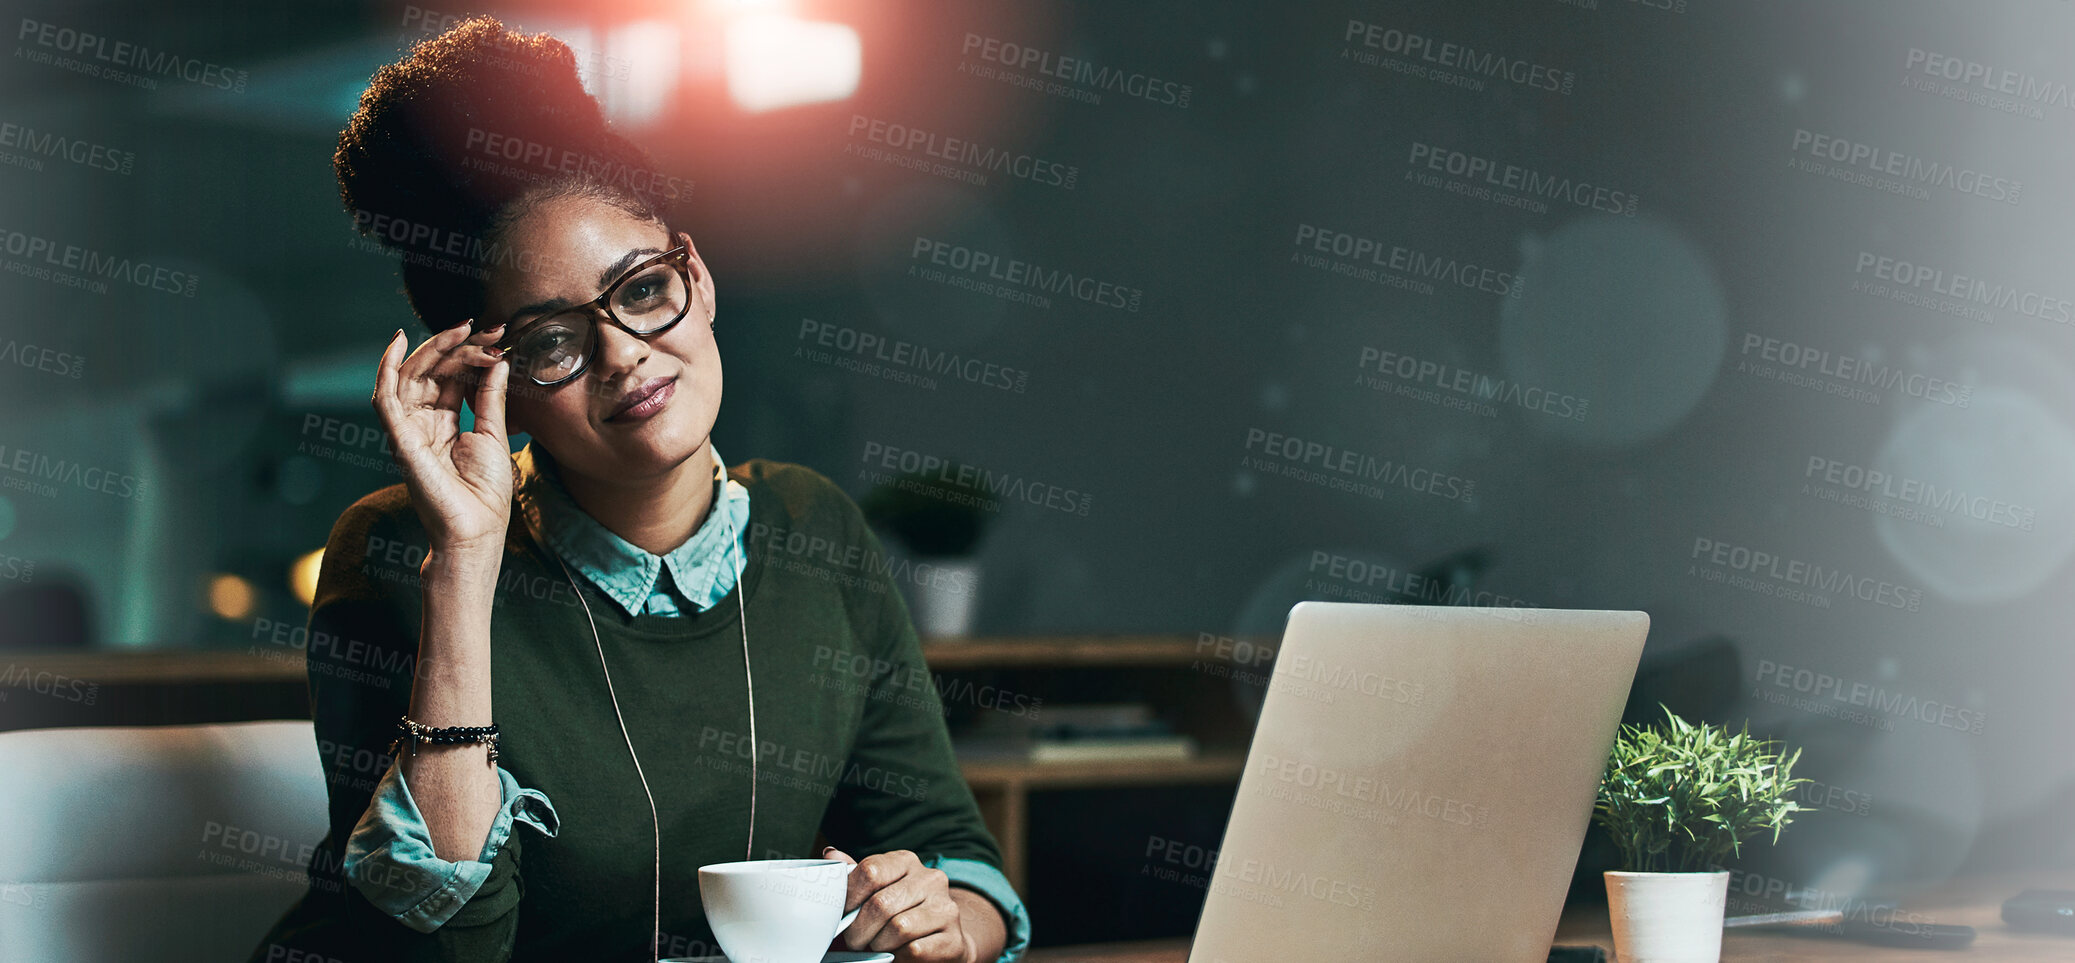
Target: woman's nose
x,y
618,351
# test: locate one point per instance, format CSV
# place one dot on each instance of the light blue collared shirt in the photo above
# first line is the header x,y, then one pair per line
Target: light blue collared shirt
x,y
702,571
389,857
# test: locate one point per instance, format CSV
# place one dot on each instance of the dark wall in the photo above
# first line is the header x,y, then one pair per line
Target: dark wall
x,y
1637,341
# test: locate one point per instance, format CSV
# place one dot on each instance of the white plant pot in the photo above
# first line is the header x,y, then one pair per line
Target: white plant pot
x,y
1667,917
943,602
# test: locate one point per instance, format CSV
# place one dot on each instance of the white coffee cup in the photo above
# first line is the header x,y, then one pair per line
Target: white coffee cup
x,y
776,910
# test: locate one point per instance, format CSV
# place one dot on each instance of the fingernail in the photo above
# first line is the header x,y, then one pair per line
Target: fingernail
x,y
398,334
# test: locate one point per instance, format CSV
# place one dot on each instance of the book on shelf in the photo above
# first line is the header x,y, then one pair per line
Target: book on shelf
x,y
1168,748
1121,732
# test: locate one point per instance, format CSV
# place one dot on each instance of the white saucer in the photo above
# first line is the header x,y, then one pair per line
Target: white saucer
x,y
838,956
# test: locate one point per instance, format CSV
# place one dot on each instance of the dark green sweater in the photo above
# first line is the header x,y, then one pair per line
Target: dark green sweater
x,y
851,745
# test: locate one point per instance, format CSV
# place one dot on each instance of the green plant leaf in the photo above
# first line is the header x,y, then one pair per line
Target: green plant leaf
x,y
1680,794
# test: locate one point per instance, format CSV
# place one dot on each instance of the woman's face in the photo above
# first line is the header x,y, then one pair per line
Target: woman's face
x,y
575,247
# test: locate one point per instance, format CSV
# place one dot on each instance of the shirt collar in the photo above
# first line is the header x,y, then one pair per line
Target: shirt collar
x,y
701,571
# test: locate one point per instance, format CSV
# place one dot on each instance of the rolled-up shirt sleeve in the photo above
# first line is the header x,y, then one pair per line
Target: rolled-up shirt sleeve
x,y
390,860
987,881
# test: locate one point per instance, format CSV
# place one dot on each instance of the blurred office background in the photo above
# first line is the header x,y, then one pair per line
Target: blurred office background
x,y
1762,309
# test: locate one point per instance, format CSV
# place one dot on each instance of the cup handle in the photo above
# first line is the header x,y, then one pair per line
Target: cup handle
x,y
850,917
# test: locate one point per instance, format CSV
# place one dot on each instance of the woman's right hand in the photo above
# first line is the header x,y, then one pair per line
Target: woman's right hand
x,y
460,481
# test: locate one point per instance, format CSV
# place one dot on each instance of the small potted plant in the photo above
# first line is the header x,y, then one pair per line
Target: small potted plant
x,y
939,521
1681,798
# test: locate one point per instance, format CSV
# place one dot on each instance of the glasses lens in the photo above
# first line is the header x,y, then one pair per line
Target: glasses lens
x,y
551,349
651,299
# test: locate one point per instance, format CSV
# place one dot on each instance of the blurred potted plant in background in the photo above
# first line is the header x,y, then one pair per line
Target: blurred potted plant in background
x,y
1679,799
939,522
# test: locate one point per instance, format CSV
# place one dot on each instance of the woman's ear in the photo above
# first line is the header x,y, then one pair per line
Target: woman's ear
x,y
701,278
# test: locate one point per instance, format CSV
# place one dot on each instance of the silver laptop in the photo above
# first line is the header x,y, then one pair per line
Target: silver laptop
x,y
1419,784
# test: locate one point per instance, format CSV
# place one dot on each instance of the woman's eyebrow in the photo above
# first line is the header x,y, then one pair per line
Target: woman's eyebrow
x,y
540,307
605,277
626,261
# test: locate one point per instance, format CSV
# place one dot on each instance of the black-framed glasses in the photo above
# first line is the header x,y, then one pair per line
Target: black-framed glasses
x,y
646,301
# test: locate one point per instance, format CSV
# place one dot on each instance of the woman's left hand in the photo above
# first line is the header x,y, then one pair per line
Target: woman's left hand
x,y
905,908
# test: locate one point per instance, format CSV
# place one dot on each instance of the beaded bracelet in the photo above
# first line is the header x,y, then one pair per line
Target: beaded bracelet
x,y
418,732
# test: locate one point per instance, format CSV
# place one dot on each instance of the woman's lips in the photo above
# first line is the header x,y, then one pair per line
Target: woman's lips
x,y
643,402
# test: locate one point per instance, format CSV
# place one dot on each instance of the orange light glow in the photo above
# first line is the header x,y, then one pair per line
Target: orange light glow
x,y
231,597
777,61
302,576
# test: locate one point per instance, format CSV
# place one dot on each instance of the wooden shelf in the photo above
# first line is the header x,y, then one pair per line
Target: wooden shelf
x,y
1208,767
1003,791
1002,788
168,667
1092,651
269,664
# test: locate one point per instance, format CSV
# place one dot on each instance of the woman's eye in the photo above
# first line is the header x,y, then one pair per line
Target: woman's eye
x,y
547,345
547,341
643,291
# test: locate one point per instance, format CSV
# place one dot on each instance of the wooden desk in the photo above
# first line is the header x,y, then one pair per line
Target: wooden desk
x,y
1975,902
1148,951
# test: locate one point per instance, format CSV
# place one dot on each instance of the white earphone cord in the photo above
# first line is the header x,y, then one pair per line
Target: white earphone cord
x,y
655,941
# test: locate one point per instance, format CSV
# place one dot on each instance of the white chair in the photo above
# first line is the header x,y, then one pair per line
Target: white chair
x,y
161,843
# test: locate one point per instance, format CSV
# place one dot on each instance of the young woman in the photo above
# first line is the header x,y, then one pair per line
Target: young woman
x,y
563,680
